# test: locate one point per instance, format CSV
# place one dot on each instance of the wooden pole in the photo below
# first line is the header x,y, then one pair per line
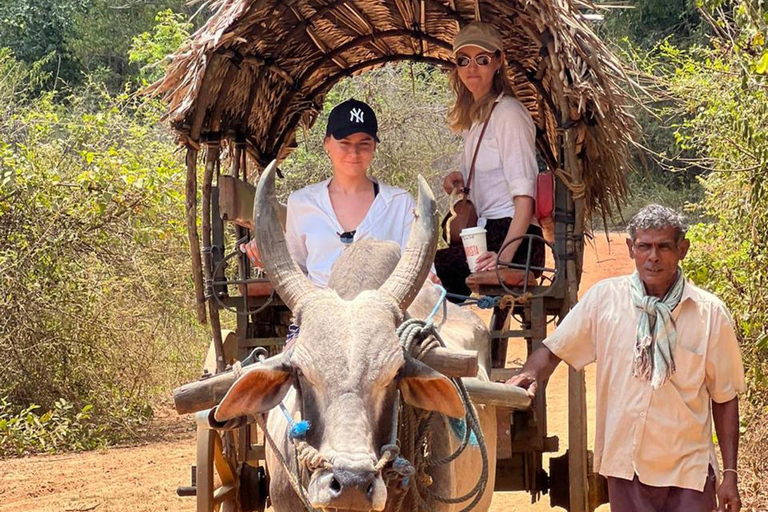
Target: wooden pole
x,y
192,236
577,413
497,394
211,159
204,394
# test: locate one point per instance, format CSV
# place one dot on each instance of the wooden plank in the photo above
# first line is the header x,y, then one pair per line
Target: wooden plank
x,y
503,433
251,343
525,333
204,461
577,441
225,492
503,374
236,199
256,454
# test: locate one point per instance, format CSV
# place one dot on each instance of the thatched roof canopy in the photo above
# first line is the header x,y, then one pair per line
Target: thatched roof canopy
x,y
259,68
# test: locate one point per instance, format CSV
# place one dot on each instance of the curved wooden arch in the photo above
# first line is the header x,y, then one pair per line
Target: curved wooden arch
x,y
256,67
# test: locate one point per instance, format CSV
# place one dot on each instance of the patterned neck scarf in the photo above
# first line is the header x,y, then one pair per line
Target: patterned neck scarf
x,y
656,332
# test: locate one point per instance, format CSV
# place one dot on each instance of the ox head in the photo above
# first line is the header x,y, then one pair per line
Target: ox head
x,y
346,364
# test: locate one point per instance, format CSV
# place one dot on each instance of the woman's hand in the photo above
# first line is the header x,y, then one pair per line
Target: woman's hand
x,y
452,181
486,261
252,251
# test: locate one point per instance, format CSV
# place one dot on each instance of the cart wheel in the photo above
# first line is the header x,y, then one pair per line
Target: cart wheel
x,y
217,483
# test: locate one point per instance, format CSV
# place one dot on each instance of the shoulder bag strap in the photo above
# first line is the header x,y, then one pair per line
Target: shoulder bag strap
x,y
477,149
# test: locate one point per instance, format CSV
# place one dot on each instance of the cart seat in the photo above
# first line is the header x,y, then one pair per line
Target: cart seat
x,y
488,279
260,288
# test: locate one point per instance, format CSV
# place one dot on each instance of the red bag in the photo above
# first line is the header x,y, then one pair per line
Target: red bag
x,y
545,195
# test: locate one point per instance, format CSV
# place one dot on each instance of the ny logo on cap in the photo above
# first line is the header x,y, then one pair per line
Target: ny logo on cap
x,y
356,115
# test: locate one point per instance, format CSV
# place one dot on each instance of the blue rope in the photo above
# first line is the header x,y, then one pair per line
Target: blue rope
x,y
483,302
298,429
443,294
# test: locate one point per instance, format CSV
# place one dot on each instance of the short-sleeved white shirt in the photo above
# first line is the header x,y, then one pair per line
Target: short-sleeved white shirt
x,y
506,162
663,435
312,229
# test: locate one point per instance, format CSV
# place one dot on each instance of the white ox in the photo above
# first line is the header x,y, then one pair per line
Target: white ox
x,y
344,369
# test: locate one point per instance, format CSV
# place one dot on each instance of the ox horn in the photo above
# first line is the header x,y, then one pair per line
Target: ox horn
x,y
289,281
414,266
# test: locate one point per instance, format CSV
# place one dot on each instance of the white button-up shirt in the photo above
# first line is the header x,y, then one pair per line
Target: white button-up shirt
x,y
506,161
665,435
312,229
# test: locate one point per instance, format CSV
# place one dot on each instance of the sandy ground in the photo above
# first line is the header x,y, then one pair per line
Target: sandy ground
x,y
144,478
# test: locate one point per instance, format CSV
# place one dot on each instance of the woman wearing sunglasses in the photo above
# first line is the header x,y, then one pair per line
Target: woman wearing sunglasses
x,y
325,217
500,138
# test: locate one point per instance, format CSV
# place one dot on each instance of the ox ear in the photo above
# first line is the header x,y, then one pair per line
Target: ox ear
x,y
259,389
423,387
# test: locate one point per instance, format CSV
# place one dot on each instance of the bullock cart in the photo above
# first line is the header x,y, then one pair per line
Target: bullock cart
x,y
257,70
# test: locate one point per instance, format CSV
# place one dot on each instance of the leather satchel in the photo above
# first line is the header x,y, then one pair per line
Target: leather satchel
x,y
463,213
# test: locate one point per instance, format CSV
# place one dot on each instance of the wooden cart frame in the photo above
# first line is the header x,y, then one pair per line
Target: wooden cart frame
x,y
258,69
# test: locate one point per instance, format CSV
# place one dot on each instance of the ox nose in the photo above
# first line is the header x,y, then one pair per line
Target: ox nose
x,y
346,488
356,486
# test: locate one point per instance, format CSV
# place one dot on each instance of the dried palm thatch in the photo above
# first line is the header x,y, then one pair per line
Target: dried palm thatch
x,y
259,68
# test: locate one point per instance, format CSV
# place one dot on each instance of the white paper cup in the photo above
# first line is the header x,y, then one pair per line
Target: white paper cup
x,y
474,245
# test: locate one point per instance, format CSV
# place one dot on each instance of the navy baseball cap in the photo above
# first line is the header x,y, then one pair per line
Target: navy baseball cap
x,y
352,116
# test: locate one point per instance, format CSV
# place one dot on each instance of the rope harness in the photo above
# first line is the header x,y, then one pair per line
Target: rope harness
x,y
411,432
491,301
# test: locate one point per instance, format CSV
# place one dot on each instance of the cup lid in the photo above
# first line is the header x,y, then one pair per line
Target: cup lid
x,y
473,231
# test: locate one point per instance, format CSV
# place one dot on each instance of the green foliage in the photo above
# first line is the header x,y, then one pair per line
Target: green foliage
x,y
38,29
62,428
724,102
150,49
646,22
96,301
102,36
80,38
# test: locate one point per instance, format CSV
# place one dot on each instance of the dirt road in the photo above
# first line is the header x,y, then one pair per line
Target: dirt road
x,y
144,478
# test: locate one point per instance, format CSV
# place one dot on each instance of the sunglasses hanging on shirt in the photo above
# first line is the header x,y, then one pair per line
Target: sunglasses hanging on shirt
x,y
347,237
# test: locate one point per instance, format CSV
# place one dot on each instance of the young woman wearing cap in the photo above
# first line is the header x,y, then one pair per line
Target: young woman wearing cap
x,y
503,185
325,217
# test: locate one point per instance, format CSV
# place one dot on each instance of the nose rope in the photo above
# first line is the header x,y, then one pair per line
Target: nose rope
x,y
310,459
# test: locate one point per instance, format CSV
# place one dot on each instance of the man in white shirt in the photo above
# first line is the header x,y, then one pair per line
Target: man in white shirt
x,y
668,363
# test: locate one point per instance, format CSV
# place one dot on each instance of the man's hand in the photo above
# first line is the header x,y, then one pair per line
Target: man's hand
x,y
252,251
526,381
728,494
452,181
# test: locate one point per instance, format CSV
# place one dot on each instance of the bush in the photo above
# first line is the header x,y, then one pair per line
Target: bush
x,y
722,94
96,302
64,427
